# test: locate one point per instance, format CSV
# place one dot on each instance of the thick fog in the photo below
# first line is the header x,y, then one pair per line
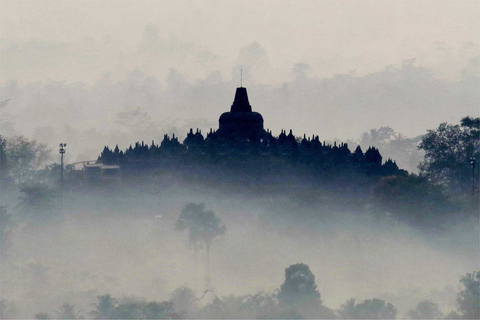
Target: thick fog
x,y
104,73
126,245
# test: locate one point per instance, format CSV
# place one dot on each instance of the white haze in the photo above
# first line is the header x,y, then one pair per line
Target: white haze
x,y
95,73
81,40
331,68
126,245
406,97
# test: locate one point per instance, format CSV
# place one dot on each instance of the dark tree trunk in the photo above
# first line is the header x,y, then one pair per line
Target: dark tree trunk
x,y
207,268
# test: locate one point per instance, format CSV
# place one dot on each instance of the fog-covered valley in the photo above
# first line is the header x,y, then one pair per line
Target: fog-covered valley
x,y
352,171
124,243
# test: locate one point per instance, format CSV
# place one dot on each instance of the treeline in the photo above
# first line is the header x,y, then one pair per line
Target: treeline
x,y
445,190
297,298
316,173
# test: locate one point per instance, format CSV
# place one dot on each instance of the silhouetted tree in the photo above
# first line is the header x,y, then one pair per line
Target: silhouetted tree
x,y
259,306
159,310
394,145
67,311
299,291
411,199
7,311
42,315
184,301
405,151
6,225
225,307
448,150
369,309
24,157
129,310
37,198
347,310
145,310
425,310
377,137
262,304
203,226
104,308
469,298
4,166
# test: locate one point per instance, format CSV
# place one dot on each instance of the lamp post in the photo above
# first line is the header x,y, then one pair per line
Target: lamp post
x,y
62,151
473,162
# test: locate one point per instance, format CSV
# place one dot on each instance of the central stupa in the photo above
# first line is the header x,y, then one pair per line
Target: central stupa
x,y
241,121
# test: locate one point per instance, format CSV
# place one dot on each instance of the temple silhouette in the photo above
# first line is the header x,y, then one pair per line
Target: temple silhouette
x,y
241,122
241,150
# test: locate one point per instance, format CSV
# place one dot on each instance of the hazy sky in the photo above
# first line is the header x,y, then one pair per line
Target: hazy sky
x,y
331,36
332,68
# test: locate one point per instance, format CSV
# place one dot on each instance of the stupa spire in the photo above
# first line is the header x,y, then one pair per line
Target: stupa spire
x,y
240,103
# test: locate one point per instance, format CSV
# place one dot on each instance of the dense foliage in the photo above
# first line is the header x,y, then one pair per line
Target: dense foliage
x,y
449,150
425,310
369,309
469,298
298,297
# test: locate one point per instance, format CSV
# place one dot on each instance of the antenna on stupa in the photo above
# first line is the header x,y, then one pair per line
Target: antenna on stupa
x,y
241,78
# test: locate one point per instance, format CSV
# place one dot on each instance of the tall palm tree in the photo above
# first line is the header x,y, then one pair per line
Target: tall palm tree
x,y
204,227
67,311
104,308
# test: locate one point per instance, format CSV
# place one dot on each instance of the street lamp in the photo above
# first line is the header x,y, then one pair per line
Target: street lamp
x,y
473,162
62,151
